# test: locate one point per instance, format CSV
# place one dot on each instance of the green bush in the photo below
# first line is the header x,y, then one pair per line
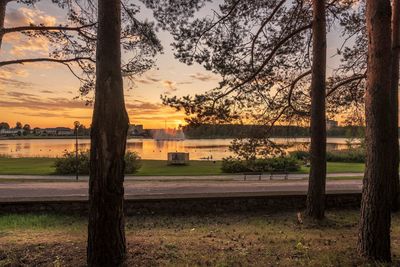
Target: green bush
x,y
231,165
351,155
67,163
132,162
300,155
354,155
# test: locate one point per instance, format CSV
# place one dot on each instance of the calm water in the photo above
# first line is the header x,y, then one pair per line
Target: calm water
x,y
147,148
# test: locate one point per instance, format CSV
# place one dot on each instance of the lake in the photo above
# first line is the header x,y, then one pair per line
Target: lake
x,y
146,148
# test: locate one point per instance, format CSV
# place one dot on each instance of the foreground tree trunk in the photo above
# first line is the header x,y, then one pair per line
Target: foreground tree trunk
x,y
106,235
374,231
316,185
395,101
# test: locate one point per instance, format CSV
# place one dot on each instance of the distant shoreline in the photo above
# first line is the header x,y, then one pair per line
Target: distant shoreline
x,y
54,137
139,137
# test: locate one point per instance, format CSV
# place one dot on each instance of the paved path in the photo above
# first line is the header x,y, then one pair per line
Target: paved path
x,y
31,191
233,177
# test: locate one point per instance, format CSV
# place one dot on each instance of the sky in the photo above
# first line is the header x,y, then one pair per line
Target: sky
x,y
44,94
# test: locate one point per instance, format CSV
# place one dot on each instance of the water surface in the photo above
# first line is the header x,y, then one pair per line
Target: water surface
x,y
147,148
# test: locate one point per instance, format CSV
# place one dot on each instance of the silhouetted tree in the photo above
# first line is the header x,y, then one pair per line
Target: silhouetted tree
x,y
374,231
106,233
106,229
262,51
26,127
18,125
317,180
354,65
395,102
4,125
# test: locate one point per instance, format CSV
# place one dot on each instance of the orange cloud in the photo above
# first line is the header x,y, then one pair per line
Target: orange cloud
x,y
25,16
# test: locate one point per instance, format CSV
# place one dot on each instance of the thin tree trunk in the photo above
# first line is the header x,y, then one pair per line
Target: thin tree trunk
x,y
374,229
106,234
395,101
3,6
316,186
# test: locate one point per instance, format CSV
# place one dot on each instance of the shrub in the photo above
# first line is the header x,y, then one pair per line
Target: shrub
x,y
67,163
132,162
353,155
300,155
231,165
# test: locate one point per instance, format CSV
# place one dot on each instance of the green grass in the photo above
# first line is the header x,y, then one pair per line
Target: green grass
x,y
44,166
28,166
12,222
340,167
246,239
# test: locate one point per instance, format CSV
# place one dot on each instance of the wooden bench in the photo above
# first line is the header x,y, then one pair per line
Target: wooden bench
x,y
279,172
285,173
252,173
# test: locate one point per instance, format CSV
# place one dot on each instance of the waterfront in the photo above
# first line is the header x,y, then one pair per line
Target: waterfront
x,y
215,149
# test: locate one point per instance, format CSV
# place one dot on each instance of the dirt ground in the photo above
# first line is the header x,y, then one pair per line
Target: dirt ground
x,y
215,240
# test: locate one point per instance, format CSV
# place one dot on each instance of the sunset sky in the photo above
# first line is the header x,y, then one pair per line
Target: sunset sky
x,y
43,94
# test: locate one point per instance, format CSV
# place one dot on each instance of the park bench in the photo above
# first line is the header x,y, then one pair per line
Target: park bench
x,y
252,173
285,173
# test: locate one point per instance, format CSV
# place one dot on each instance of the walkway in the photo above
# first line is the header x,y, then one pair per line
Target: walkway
x,y
42,191
233,177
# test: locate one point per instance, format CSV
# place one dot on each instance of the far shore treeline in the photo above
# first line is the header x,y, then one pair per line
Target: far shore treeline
x,y
237,131
214,131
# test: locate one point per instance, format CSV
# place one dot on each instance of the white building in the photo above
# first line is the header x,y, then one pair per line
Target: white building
x,y
11,132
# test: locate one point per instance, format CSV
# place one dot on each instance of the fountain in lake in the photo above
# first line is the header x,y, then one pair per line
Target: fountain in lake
x,y
168,135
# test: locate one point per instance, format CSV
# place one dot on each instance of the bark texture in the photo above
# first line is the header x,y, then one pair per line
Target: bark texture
x,y
395,101
316,186
106,235
374,229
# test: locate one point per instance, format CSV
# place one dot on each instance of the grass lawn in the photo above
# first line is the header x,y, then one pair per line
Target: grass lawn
x,y
44,166
249,239
339,167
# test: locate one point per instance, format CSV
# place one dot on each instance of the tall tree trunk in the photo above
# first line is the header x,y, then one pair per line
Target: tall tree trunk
x,y
374,231
316,185
3,6
395,101
106,233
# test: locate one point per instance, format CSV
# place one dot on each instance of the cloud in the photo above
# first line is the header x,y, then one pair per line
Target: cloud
x,y
148,80
29,101
26,16
185,82
28,45
47,92
21,45
63,115
202,77
140,107
15,83
169,86
19,95
12,72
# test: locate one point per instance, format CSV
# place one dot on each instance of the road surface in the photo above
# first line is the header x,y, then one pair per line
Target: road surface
x,y
32,191
233,177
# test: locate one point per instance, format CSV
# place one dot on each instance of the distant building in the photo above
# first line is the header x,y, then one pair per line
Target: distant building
x,y
58,131
331,123
11,132
136,129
